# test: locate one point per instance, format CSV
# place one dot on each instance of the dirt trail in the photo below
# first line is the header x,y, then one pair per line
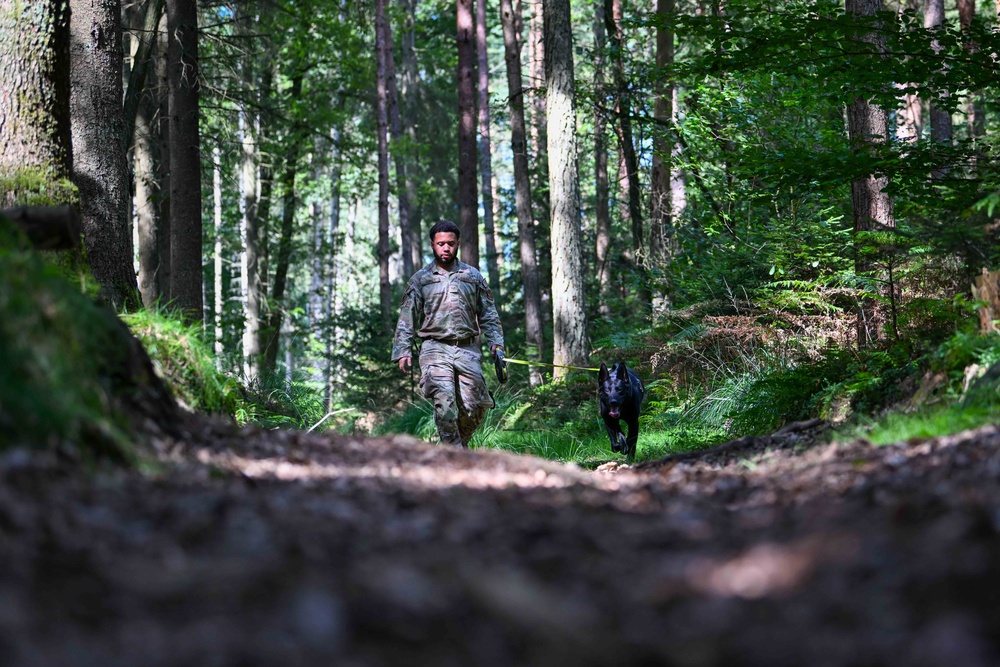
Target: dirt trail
x,y
280,548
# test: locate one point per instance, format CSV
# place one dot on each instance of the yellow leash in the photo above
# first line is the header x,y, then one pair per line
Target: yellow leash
x,y
539,363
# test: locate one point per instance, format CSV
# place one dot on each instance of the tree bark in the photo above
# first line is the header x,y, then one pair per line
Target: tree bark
x,y
468,200
289,202
35,102
382,127
974,111
332,275
868,126
319,258
249,266
147,218
522,192
569,308
602,209
941,124
217,254
100,161
539,147
398,154
626,142
185,160
163,172
661,219
145,21
536,86
408,101
485,163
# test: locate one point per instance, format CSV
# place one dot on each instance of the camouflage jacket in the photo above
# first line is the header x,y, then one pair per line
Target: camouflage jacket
x,y
448,306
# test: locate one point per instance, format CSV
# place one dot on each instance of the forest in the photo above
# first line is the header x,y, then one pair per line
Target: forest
x,y
775,211
782,216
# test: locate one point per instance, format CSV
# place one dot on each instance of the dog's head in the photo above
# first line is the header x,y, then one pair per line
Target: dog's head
x,y
613,389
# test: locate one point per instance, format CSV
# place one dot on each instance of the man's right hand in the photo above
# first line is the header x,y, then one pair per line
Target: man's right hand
x,y
404,364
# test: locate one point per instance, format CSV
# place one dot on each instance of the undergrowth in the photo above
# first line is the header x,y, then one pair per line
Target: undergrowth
x,y
185,361
749,389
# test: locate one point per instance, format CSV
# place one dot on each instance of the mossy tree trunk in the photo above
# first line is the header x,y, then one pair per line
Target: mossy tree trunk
x,y
100,163
36,156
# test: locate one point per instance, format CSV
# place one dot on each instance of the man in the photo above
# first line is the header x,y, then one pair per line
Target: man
x,y
448,304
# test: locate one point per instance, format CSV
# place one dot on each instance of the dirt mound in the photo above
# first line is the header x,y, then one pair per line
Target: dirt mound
x,y
272,547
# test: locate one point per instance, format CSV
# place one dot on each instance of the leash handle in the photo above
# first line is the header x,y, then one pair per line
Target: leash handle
x,y
500,365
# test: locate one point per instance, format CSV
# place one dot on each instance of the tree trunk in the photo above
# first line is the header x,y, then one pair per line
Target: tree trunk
x,y
385,289
868,125
485,163
145,20
536,86
539,146
100,161
468,200
910,116
249,267
408,101
332,274
217,253
289,201
602,209
522,192
147,196
941,125
661,220
569,308
266,176
163,172
185,160
626,142
35,140
141,104
974,111
398,154
319,258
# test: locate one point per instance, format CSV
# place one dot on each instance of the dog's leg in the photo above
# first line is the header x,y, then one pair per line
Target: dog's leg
x,y
633,437
614,433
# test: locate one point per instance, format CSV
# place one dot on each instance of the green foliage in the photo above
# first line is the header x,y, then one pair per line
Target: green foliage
x,y
185,361
272,401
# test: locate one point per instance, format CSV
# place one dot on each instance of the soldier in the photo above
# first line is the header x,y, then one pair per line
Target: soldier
x,y
452,305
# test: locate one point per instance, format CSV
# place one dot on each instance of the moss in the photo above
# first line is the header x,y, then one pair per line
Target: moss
x,y
59,355
36,186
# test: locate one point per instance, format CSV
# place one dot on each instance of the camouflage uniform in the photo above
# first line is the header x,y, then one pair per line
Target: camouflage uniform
x,y
452,308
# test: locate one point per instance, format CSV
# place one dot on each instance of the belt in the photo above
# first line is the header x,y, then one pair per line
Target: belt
x,y
458,342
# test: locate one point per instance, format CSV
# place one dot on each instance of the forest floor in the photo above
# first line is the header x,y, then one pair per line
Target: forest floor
x,y
249,547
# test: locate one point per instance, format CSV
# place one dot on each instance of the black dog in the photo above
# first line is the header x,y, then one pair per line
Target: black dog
x,y
620,393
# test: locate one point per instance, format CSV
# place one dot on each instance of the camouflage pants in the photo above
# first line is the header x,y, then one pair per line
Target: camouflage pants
x,y
452,379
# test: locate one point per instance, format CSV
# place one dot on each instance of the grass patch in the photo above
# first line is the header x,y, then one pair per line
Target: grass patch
x,y
516,425
185,361
899,427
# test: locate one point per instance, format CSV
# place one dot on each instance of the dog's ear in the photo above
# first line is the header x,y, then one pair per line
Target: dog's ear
x,y
622,371
602,374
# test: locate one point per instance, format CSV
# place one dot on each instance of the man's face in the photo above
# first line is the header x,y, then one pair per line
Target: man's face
x,y
445,246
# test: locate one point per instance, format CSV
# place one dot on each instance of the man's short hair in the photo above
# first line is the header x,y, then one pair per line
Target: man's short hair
x,y
445,227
